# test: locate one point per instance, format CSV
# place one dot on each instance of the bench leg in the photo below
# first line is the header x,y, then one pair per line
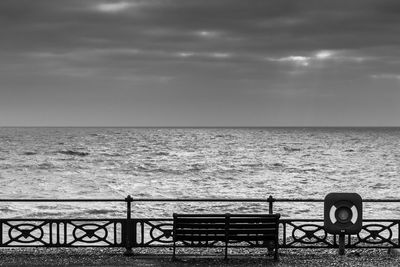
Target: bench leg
x,y
173,252
226,251
276,255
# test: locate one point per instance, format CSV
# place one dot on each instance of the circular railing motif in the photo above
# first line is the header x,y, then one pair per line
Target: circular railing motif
x,y
162,232
90,233
375,234
25,233
308,233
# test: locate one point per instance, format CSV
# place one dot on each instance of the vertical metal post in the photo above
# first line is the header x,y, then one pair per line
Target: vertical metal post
x,y
227,224
341,243
270,200
129,227
1,233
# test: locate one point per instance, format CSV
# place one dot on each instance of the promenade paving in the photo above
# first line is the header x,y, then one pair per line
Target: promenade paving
x,y
162,257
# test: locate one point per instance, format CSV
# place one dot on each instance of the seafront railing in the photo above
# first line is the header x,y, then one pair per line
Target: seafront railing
x,y
135,232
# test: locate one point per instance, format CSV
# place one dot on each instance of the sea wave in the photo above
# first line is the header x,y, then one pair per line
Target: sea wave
x,y
29,153
73,153
46,166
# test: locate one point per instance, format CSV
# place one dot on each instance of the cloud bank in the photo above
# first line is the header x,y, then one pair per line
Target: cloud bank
x,y
189,62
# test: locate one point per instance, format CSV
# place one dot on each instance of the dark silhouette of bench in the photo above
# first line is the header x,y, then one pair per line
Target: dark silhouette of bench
x,y
207,230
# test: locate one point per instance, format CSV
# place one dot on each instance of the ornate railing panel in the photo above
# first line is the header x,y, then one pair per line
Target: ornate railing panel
x,y
304,233
310,233
62,232
378,233
152,232
294,233
130,232
156,232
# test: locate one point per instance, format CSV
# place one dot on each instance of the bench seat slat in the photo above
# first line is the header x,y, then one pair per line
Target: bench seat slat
x,y
262,231
200,225
251,237
200,231
200,238
252,220
222,220
188,232
186,215
223,238
200,220
266,216
222,226
252,225
202,215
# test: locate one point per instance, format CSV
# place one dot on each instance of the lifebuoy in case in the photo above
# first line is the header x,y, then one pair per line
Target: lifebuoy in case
x,y
343,213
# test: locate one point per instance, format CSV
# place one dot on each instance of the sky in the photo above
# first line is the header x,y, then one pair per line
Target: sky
x,y
199,63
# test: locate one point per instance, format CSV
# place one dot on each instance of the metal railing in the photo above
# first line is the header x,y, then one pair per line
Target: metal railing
x,y
131,232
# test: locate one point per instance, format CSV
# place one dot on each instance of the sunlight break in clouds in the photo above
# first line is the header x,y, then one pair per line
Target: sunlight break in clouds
x,y
298,60
324,54
207,34
113,7
217,55
221,55
303,60
186,54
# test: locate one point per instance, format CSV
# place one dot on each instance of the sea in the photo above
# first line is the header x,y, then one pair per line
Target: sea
x,y
95,163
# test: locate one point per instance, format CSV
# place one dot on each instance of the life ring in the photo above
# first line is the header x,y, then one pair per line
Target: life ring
x,y
333,216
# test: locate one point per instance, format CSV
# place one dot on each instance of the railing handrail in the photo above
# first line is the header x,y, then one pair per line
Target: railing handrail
x,y
61,200
270,199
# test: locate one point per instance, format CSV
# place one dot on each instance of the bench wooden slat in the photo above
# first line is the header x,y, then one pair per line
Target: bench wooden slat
x,y
251,237
199,231
200,238
250,215
223,238
202,215
223,225
252,225
200,225
230,216
200,220
260,231
251,220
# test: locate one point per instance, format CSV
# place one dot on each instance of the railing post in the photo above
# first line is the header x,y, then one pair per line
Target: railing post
x,y
341,243
129,227
270,200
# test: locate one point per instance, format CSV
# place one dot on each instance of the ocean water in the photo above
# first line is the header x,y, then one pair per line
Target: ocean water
x,y
196,163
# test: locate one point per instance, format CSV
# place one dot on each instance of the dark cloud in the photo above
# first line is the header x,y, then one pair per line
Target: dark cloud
x,y
234,52
260,25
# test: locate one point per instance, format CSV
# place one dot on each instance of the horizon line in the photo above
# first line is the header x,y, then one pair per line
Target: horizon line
x,y
178,126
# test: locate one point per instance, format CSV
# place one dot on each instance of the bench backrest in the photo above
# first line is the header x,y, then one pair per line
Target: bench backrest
x,y
225,227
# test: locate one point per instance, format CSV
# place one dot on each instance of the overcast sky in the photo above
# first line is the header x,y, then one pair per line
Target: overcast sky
x,y
199,63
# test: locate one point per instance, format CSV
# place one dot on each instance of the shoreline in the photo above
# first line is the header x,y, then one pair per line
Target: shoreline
x,y
192,257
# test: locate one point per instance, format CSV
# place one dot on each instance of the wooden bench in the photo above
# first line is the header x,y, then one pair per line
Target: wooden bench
x,y
206,230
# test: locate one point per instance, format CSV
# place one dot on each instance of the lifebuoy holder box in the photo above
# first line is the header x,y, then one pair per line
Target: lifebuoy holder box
x,y
343,213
